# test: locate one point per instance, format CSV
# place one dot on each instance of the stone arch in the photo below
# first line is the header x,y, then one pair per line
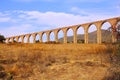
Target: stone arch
x,y
19,39
7,40
30,38
92,33
14,39
106,32
70,35
60,34
25,39
23,36
104,22
10,40
80,34
108,21
55,35
52,36
44,37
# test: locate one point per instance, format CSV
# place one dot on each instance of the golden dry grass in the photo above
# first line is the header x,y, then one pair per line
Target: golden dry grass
x,y
57,61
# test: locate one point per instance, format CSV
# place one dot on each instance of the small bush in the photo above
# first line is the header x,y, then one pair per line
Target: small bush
x,y
2,39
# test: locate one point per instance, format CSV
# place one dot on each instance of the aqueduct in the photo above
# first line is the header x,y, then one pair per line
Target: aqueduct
x,y
113,22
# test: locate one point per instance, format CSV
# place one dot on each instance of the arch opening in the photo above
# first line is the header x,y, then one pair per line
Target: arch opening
x,y
19,40
106,32
70,35
25,39
92,34
31,39
52,36
80,35
44,37
10,40
60,36
14,39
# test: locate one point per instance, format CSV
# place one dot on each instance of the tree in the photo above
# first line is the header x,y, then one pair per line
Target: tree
x,y
2,38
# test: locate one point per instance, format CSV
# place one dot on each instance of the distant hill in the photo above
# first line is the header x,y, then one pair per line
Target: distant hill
x,y
106,37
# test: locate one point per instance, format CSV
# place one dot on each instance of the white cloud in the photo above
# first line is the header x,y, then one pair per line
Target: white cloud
x,y
5,19
60,19
53,18
16,30
80,11
96,12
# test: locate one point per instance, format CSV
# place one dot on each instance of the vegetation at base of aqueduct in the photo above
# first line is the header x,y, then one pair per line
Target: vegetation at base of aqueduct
x,y
2,38
59,61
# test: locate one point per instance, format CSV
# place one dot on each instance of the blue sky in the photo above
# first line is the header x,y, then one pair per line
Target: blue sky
x,y
27,16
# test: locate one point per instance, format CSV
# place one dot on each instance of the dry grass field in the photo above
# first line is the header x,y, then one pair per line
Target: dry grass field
x,y
59,62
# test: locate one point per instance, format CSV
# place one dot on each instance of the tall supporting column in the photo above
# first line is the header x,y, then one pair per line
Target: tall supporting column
x,y
28,38
48,36
17,38
56,35
99,37
99,40
41,34
12,39
34,38
114,37
22,37
75,35
86,36
65,35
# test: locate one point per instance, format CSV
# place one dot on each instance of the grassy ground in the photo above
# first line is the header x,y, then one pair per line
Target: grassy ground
x,y
59,62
